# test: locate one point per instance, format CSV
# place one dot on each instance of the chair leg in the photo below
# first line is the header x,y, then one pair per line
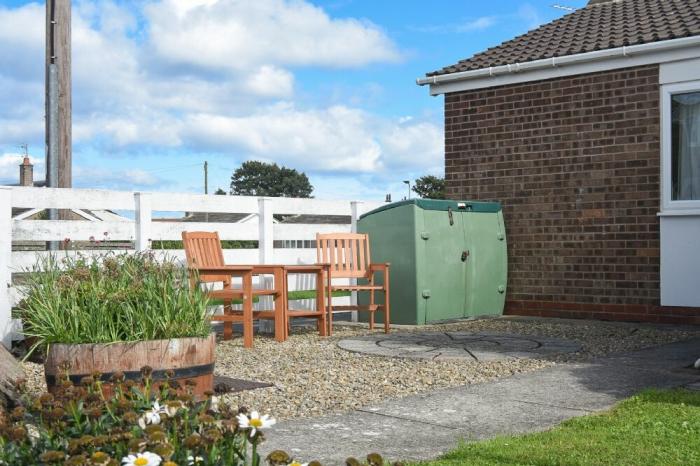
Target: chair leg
x,y
228,326
387,316
280,308
321,305
329,296
248,310
371,305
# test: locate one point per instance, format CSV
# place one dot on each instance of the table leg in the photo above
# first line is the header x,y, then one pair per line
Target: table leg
x,y
248,310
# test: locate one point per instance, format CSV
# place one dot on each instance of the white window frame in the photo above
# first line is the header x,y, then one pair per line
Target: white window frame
x,y
667,204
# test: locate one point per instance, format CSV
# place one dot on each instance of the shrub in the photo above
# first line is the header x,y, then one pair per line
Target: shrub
x,y
77,425
139,424
117,298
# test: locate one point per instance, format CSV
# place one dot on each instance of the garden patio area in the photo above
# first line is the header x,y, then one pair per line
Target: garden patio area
x,y
312,376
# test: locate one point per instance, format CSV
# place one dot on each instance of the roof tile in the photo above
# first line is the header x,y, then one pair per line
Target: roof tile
x,y
596,27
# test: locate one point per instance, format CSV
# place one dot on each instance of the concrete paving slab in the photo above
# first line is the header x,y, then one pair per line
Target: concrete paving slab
x,y
587,386
425,426
671,357
332,439
476,416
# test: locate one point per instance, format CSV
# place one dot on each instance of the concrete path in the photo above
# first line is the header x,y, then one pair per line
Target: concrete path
x,y
425,426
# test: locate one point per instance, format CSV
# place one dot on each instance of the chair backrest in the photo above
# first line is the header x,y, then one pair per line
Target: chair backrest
x,y
203,249
347,254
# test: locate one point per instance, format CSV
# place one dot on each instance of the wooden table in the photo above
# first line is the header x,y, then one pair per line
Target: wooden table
x,y
281,313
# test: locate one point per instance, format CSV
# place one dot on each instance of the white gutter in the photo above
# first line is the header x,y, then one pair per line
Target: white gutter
x,y
625,51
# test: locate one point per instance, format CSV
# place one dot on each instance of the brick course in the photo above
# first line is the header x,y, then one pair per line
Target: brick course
x,y
575,162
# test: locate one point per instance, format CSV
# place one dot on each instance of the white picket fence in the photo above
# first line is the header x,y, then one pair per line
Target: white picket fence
x,y
143,231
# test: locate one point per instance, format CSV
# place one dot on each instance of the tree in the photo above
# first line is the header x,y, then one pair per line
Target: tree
x,y
255,178
220,192
430,187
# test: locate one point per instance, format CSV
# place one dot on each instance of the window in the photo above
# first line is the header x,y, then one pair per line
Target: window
x,y
681,146
685,146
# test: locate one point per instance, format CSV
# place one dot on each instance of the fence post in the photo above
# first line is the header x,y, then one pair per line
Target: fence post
x,y
142,202
6,327
355,212
266,251
265,226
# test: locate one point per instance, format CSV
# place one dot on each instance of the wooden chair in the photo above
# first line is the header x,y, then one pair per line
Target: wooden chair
x,y
348,256
205,260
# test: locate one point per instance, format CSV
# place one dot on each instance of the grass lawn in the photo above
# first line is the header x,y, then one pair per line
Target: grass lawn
x,y
652,428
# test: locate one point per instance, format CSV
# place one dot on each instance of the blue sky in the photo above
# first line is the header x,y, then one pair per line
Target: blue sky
x,y
327,87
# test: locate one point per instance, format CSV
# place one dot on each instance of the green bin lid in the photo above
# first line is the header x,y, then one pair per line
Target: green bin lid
x,y
438,204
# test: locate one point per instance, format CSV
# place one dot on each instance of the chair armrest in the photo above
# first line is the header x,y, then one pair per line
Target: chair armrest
x,y
378,267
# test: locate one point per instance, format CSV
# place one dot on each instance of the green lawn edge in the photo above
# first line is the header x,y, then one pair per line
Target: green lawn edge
x,y
652,428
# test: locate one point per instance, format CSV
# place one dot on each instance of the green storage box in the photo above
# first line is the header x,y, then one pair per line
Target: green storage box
x,y
448,258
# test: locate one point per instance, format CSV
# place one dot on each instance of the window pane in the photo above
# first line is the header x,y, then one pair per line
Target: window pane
x,y
685,146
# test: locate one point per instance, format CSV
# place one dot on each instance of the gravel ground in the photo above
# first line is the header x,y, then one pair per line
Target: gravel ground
x,y
312,376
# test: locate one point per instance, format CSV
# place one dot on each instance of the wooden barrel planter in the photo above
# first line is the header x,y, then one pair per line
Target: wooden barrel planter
x,y
188,359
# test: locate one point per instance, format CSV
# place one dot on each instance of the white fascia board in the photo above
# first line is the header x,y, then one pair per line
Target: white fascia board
x,y
591,62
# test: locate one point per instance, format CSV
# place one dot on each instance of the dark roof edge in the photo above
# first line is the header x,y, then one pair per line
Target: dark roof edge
x,y
554,62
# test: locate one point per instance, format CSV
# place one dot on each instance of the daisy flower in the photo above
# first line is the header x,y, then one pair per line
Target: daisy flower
x,y
142,459
152,416
254,422
191,460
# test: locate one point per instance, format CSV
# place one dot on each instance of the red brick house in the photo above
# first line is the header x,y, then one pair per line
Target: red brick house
x,y
587,129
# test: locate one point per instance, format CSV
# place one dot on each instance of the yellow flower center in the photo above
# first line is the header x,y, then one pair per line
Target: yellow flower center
x,y
257,423
141,462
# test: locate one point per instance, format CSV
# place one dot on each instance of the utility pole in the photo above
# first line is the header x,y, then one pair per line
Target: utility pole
x,y
206,186
58,94
206,177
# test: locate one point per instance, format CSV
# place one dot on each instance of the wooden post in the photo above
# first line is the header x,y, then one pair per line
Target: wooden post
x,y
6,326
265,249
142,203
355,212
265,225
58,54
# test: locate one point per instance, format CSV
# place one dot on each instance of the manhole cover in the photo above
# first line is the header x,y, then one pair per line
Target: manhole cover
x,y
482,346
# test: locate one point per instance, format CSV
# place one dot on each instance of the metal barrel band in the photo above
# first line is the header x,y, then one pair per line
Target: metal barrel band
x,y
157,374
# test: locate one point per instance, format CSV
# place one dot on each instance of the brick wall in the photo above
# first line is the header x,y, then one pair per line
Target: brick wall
x,y
576,163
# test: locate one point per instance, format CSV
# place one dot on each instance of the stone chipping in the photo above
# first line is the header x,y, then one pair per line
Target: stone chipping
x,y
312,376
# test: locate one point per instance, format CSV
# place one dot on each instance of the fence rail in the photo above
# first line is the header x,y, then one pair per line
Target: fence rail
x,y
139,228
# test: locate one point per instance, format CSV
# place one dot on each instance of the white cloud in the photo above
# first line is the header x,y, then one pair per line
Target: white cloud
x,y
271,81
530,16
478,24
208,76
9,167
334,139
244,34
115,179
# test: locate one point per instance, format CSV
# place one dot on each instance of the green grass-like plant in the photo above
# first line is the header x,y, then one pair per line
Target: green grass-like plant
x,y
117,298
653,428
